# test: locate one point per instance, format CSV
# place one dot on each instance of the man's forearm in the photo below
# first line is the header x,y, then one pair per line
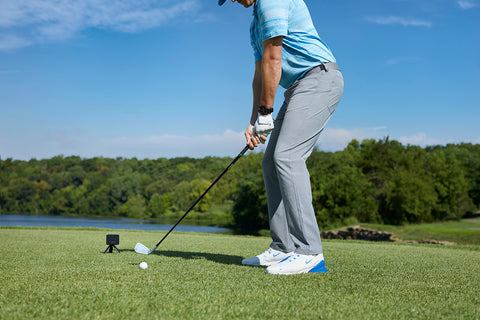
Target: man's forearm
x,y
268,72
271,70
257,90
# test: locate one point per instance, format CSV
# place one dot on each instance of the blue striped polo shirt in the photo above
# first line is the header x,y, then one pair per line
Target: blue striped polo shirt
x,y
302,47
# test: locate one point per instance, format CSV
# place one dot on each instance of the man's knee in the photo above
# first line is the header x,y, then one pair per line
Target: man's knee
x,y
285,160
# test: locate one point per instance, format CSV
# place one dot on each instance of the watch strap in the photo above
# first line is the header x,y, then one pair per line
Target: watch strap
x,y
264,110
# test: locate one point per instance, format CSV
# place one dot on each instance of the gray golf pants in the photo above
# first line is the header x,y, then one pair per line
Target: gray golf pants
x,y
309,104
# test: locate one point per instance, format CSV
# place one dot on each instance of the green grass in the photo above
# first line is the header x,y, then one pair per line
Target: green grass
x,y
466,231
48,273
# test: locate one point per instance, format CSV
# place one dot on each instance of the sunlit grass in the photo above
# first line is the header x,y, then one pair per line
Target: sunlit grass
x,y
466,231
48,273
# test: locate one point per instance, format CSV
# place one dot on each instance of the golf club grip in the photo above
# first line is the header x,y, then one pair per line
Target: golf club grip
x,y
204,193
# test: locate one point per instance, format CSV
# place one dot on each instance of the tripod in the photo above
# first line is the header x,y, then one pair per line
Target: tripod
x,y
110,249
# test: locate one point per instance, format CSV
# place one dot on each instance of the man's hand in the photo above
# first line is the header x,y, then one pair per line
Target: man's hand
x,y
252,138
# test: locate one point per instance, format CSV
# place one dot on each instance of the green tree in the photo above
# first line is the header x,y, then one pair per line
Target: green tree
x,y
134,208
20,195
450,185
373,181
76,175
197,188
60,204
468,155
159,205
124,186
250,211
345,193
186,193
99,203
42,197
407,198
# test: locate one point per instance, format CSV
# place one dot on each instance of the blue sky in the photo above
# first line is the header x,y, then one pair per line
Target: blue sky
x,y
169,78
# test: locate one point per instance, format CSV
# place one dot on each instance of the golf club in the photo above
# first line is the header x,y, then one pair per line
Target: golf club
x,y
140,248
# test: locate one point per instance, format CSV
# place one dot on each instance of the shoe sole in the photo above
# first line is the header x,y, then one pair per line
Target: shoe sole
x,y
259,265
319,268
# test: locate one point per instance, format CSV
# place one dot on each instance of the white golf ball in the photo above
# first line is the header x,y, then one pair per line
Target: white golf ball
x,y
143,265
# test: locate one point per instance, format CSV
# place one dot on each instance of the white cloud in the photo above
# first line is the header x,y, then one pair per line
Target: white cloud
x,y
228,143
48,20
337,139
64,141
77,142
467,4
225,144
11,42
395,20
421,139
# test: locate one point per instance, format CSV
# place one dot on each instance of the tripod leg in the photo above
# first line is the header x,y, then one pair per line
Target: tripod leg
x,y
116,249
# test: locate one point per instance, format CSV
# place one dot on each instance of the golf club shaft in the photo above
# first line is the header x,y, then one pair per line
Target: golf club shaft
x,y
204,193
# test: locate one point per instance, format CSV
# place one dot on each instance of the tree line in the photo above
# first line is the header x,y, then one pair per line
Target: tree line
x,y
379,181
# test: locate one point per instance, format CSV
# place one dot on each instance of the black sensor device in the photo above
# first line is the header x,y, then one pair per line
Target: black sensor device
x,y
112,241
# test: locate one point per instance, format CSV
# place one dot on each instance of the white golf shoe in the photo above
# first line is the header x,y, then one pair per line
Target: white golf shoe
x,y
299,263
267,258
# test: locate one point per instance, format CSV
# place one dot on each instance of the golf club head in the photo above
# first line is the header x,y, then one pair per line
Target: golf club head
x,y
140,248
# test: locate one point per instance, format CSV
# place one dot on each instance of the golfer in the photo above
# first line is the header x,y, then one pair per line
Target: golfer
x,y
288,51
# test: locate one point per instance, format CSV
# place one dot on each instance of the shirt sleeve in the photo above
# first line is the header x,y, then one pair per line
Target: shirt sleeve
x,y
273,18
257,52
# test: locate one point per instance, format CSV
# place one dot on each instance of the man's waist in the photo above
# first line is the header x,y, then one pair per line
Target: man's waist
x,y
323,67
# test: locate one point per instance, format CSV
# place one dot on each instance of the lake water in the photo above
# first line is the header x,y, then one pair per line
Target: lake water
x,y
129,224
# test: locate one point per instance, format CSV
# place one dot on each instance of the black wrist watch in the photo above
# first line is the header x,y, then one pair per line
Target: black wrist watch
x,y
264,110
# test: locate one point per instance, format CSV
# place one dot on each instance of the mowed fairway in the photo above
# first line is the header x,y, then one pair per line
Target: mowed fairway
x,y
63,274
